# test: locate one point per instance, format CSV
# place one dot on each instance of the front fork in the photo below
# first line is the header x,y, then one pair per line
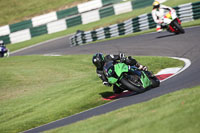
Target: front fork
x,y
144,76
171,27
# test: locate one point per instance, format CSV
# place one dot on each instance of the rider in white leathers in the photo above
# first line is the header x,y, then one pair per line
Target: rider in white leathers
x,y
158,13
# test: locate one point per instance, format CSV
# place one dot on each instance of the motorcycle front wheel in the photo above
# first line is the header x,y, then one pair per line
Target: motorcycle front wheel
x,y
179,27
132,83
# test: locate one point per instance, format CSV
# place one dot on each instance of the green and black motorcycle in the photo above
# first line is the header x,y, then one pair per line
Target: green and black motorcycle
x,y
130,77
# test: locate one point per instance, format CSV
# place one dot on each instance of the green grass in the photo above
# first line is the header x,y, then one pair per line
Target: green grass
x,y
39,89
14,11
102,23
176,112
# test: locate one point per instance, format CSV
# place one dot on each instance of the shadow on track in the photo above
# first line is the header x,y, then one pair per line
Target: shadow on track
x,y
113,96
164,36
106,94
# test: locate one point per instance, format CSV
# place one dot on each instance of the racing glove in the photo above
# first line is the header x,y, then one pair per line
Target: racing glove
x,y
121,55
144,68
103,78
107,84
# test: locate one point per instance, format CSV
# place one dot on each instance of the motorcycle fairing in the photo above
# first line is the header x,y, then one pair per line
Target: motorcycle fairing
x,y
143,77
120,68
145,80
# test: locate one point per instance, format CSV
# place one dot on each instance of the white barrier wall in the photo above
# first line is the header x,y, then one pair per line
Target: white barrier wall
x,y
20,36
43,19
94,4
91,16
123,7
56,26
4,30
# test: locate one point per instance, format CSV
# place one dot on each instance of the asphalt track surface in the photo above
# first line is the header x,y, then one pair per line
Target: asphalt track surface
x,y
154,44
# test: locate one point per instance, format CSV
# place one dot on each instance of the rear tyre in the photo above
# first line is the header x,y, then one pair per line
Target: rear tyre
x,y
132,84
179,27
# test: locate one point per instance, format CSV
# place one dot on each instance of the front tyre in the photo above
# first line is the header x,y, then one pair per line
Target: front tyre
x,y
155,82
132,85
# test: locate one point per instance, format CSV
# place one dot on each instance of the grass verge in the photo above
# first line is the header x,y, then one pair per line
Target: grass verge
x,y
39,89
176,112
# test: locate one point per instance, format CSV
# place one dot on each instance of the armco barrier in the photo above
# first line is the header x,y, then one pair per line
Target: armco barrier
x,y
74,21
67,12
20,26
141,3
56,26
37,31
6,39
186,12
20,36
108,2
106,12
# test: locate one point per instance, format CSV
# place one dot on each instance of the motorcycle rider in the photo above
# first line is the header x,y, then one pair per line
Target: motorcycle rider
x,y
99,60
2,46
159,12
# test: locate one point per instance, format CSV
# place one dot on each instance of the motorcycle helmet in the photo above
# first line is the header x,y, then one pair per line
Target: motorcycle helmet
x,y
98,60
1,43
156,5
